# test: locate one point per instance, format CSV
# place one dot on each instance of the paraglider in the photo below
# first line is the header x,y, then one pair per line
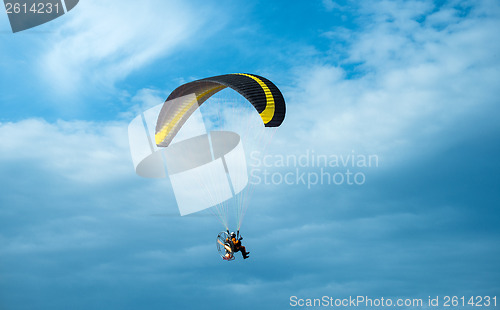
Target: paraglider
x,y
260,92
208,170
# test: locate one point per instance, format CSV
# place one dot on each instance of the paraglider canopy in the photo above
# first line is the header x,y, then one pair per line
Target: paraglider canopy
x,y
259,91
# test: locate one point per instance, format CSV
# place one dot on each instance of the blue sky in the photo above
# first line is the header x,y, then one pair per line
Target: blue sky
x,y
414,82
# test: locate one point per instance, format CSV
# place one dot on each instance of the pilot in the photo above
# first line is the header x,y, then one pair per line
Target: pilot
x,y
236,245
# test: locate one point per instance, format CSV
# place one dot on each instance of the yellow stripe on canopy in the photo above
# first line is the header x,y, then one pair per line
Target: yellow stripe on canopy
x,y
167,128
268,113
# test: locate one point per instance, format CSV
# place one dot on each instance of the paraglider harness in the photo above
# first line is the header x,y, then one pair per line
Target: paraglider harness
x,y
226,246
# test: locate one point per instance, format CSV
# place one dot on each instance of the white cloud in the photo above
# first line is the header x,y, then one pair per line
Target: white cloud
x,y
331,5
102,42
83,152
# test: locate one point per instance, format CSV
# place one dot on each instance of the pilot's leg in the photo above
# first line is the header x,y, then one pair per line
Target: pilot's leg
x,y
243,252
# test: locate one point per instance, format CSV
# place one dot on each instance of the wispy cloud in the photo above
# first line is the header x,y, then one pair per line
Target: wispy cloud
x,y
409,83
105,41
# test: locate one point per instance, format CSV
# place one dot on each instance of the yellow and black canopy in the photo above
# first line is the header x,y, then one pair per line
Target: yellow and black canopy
x,y
181,103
